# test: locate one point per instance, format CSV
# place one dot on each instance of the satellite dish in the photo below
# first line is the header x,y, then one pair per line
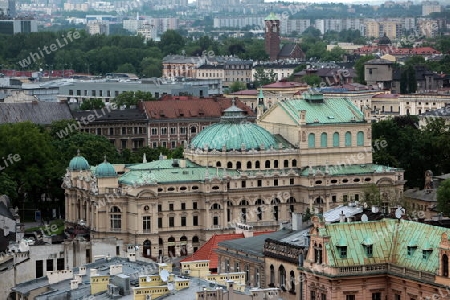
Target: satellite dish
x,y
364,218
170,286
149,279
164,274
398,213
23,246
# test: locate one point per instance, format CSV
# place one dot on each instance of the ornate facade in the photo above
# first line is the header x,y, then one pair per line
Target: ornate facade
x,y
387,259
307,152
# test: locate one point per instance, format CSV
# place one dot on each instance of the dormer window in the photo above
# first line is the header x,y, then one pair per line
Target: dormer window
x,y
411,250
368,246
426,253
342,251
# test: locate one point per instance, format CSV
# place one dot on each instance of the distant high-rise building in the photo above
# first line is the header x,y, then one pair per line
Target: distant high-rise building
x,y
17,26
98,27
429,7
272,36
7,8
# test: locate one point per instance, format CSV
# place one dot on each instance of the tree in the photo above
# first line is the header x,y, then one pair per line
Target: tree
x,y
90,104
237,86
408,81
311,79
126,68
359,68
443,197
171,42
263,78
130,98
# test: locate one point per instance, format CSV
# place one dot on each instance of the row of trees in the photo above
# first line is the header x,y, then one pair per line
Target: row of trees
x,y
33,179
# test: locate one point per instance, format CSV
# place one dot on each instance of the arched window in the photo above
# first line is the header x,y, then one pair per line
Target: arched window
x,y
195,239
183,246
311,140
259,210
238,165
336,139
267,164
230,165
272,275
445,265
286,163
282,276
360,138
215,206
317,253
257,166
244,214
147,252
218,164
323,140
193,129
294,163
249,165
116,219
348,139
171,239
292,279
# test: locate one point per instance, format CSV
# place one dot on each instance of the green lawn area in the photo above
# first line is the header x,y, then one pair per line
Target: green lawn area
x,y
55,227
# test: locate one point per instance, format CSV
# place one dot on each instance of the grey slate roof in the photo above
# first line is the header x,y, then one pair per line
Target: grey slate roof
x,y
37,112
108,115
423,195
255,245
287,50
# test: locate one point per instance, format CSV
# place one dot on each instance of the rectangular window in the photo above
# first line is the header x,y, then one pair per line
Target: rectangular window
x,y
215,221
376,296
183,221
343,251
171,206
94,93
108,93
49,265
116,222
154,131
124,130
173,130
275,182
171,222
164,144
243,183
111,131
194,205
345,198
183,206
333,198
183,130
78,92
60,264
100,93
323,296
396,297
259,182
312,295
173,144
160,225
195,220
146,223
155,145
291,181
70,92
39,268
163,130
118,250
350,297
369,250
159,208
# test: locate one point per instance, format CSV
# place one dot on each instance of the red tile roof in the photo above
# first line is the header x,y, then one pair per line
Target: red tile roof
x,y
246,92
190,108
206,252
285,84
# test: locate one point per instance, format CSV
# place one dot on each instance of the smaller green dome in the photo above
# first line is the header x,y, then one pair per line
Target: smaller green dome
x,y
78,163
272,17
105,169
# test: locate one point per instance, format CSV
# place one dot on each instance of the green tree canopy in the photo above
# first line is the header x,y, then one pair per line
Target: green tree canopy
x,y
311,79
443,197
93,103
237,86
359,68
263,77
130,98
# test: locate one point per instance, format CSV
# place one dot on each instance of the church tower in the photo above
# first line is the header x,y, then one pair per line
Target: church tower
x,y
272,36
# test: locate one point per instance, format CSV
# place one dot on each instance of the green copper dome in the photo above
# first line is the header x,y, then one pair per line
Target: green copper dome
x,y
272,17
105,169
234,133
78,163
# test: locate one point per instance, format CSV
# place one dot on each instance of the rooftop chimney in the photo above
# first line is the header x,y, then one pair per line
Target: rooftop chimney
x,y
342,217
